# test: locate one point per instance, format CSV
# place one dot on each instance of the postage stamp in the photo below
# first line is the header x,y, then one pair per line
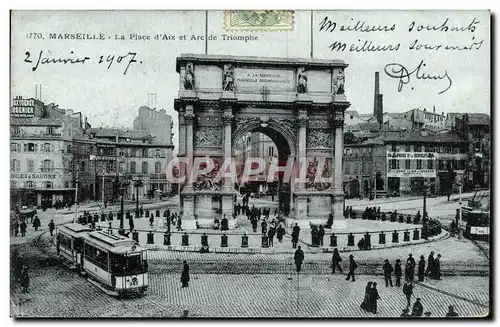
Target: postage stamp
x,y
258,20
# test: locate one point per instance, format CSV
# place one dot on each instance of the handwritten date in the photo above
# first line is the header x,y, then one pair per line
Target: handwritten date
x,y
109,60
403,74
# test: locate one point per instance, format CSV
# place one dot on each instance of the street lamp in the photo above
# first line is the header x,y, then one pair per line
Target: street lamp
x,y
137,184
426,189
459,225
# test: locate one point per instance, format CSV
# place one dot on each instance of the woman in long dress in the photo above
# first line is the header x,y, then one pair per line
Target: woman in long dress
x,y
185,275
366,302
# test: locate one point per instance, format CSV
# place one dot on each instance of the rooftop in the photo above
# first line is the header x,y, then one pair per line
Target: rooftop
x,y
113,132
479,119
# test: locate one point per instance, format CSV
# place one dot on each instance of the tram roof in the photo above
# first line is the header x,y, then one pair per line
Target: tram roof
x,y
74,229
111,242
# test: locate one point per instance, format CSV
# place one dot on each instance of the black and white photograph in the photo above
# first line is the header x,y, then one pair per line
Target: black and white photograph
x,y
210,164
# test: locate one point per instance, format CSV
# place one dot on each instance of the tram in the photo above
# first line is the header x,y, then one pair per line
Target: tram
x,y
478,224
70,244
115,263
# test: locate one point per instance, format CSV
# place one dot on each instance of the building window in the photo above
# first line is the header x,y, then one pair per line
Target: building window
x,y
31,165
419,164
29,184
158,153
132,167
393,163
440,164
408,148
50,130
430,164
407,164
13,184
48,184
394,148
145,167
138,153
418,147
16,130
15,165
30,147
271,151
157,167
15,147
144,153
47,165
82,166
46,147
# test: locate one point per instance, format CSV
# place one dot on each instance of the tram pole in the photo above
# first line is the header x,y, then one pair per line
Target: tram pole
x,y
460,230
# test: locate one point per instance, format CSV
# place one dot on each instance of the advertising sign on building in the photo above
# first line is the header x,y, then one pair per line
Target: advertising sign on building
x,y
411,173
411,155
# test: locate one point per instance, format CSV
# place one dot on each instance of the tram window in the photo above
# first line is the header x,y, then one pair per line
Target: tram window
x,y
134,264
77,245
118,264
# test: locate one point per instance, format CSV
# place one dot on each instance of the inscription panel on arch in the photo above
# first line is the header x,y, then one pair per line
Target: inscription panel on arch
x,y
261,78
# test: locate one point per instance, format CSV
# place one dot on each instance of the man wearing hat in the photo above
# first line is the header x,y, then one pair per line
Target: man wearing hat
x,y
451,312
410,268
405,313
397,272
352,267
421,269
387,273
408,291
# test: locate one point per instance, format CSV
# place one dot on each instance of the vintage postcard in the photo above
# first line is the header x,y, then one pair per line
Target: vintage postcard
x,y
250,164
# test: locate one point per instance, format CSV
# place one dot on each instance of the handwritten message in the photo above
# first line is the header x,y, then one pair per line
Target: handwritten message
x,y
398,71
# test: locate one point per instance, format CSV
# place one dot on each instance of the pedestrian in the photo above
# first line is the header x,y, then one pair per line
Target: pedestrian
x,y
321,234
410,268
16,228
185,275
270,235
352,268
263,225
23,228
421,269
387,273
366,301
436,268
451,312
408,291
374,297
418,309
298,258
430,263
151,220
36,223
453,227
25,279
336,259
398,272
52,226
131,224
280,233
295,235
361,244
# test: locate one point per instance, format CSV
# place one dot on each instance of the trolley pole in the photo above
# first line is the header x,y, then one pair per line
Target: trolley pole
x,y
460,230
76,195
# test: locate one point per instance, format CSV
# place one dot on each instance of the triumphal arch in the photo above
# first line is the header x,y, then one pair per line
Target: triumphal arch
x,y
298,103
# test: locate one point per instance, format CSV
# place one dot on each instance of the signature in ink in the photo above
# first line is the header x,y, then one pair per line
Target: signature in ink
x,y
400,72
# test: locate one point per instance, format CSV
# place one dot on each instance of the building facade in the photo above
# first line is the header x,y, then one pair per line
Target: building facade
x,y
423,119
156,122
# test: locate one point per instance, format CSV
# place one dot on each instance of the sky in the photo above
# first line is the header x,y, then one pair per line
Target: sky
x,y
108,97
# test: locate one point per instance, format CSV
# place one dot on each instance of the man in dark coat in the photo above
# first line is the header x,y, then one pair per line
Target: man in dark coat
x,y
336,259
298,258
295,236
421,269
453,227
270,235
23,228
280,233
36,223
352,268
52,226
131,224
418,309
430,263
263,225
436,268
410,268
151,219
361,244
185,275
374,297
408,291
398,272
451,312
321,234
387,273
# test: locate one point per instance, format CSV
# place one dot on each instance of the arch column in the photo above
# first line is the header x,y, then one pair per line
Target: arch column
x,y
301,198
188,196
337,167
228,185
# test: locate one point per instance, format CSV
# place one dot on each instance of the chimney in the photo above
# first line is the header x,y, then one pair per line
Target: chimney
x,y
377,91
380,109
